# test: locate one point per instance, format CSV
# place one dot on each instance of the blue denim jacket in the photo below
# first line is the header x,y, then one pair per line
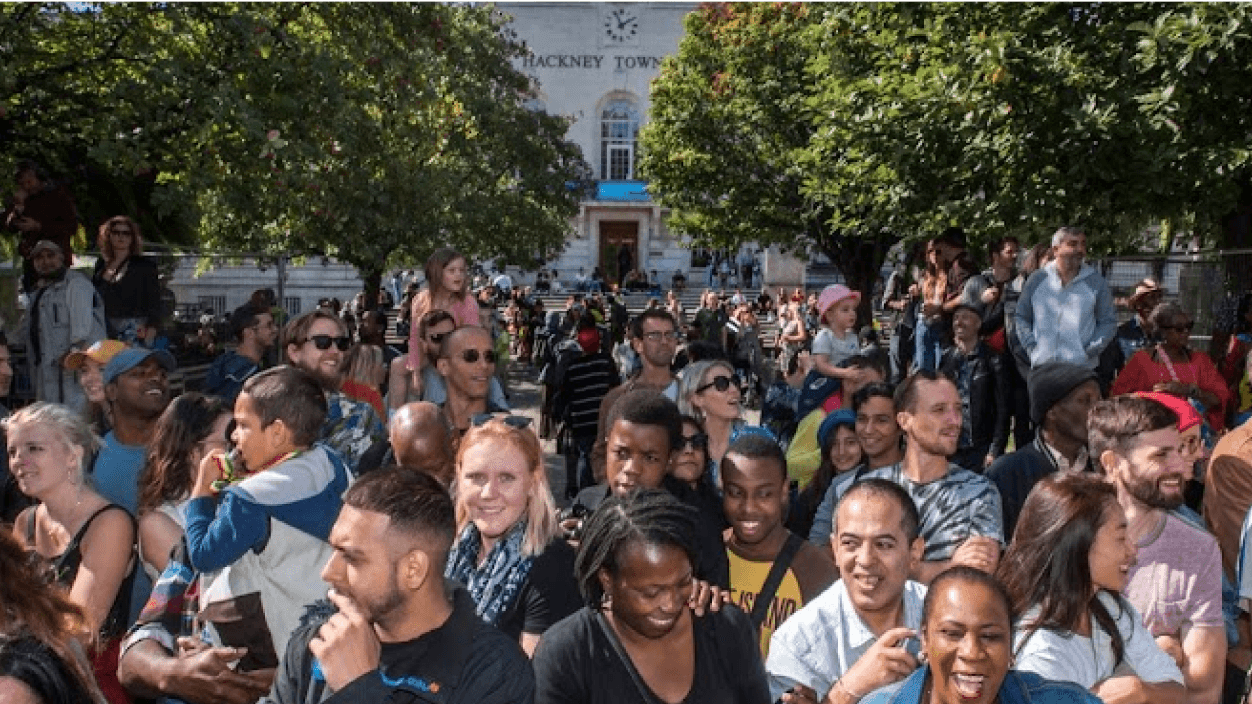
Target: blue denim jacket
x,y
1017,688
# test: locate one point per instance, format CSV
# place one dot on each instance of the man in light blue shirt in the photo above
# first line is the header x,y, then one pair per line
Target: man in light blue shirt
x,y
861,633
1066,311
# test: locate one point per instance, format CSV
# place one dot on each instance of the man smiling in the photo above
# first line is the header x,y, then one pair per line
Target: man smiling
x,y
1176,581
773,572
860,634
960,510
315,342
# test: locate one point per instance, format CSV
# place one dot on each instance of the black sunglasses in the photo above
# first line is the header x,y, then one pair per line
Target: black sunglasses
x,y
721,382
1180,328
518,422
471,356
699,441
115,231
437,337
323,342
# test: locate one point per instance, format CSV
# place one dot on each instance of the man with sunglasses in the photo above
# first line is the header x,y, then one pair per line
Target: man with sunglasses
x,y
316,342
434,326
467,362
255,331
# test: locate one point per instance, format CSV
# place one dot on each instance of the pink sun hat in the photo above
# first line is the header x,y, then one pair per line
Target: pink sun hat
x,y
833,294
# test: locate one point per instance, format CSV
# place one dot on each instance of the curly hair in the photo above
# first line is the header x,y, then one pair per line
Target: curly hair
x,y
106,246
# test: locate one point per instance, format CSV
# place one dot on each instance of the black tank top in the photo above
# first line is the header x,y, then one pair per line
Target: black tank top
x,y
64,568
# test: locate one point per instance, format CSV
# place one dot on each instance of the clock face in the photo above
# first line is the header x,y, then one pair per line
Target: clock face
x,y
621,26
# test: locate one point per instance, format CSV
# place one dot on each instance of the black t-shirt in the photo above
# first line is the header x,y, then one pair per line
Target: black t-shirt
x,y
577,662
549,594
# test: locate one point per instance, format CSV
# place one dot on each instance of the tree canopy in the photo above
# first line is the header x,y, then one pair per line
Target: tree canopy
x,y
843,128
371,132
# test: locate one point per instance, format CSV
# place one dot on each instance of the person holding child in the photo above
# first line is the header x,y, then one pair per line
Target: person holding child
x,y
267,520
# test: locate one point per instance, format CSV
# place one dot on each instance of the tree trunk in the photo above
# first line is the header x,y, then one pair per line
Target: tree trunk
x,y
373,277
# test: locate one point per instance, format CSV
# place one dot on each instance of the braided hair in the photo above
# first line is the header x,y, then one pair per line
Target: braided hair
x,y
651,516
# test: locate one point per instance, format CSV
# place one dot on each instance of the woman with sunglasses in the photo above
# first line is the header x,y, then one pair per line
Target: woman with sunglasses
x,y
127,282
710,393
691,466
85,543
1173,367
638,639
447,289
1064,572
508,551
192,426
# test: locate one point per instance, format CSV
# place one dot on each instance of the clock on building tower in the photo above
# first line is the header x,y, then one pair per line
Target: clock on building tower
x,y
620,26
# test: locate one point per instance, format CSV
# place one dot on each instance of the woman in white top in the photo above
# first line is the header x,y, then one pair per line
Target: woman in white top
x,y
192,426
1065,570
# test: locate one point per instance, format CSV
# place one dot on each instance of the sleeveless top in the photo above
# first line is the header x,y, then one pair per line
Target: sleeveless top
x,y
64,568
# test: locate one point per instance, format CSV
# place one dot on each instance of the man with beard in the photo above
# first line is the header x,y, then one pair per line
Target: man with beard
x,y
396,625
1175,584
255,331
960,510
467,362
136,382
315,342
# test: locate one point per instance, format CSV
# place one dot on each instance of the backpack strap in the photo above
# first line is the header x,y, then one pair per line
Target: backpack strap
x,y
776,573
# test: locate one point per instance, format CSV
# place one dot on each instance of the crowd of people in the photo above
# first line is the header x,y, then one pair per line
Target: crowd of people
x,y
1023,501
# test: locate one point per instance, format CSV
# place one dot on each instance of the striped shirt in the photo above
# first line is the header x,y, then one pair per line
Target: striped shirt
x,y
587,380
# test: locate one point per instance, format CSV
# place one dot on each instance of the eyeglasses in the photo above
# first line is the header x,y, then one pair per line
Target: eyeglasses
x,y
323,342
721,382
471,356
437,338
657,336
518,422
699,441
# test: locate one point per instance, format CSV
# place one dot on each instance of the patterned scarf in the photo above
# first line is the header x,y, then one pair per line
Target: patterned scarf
x,y
496,584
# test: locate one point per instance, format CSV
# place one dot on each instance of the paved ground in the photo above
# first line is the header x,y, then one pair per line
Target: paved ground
x,y
524,396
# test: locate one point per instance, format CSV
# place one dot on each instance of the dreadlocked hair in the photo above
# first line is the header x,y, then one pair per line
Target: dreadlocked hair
x,y
651,516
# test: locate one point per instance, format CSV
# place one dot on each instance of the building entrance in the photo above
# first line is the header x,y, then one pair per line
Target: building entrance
x,y
619,249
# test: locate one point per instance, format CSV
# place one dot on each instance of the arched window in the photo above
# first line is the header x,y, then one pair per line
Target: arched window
x,y
619,133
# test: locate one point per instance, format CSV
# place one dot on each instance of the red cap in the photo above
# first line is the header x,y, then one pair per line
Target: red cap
x,y
1187,414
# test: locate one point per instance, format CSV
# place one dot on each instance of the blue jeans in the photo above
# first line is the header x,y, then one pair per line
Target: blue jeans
x,y
927,344
578,474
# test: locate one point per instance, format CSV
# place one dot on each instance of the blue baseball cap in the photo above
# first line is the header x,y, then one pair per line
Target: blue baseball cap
x,y
843,416
128,359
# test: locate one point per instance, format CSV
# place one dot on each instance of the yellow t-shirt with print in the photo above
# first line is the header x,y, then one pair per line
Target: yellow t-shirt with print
x,y
746,579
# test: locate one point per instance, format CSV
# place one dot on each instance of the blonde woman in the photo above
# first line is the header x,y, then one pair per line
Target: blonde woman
x,y
508,551
86,543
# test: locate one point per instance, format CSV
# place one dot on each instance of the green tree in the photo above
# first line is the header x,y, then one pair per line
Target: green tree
x,y
845,127
373,133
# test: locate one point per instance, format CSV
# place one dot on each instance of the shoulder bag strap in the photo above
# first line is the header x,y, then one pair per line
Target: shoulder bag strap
x,y
644,692
775,578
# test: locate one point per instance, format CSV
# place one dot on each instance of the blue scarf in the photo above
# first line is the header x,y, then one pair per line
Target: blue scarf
x,y
494,586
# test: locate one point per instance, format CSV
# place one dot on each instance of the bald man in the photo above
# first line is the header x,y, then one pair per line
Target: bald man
x,y
467,361
419,438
